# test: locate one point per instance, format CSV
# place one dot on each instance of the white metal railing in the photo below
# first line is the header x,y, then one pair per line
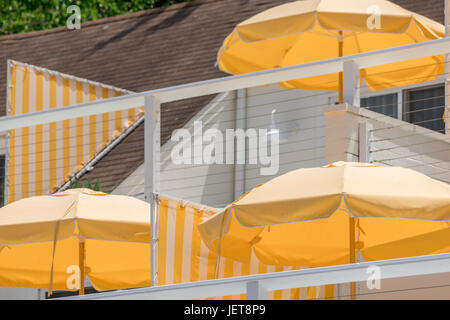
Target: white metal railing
x,y
257,286
196,89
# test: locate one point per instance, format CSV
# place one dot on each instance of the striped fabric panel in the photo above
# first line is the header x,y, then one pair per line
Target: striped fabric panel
x,y
42,158
184,257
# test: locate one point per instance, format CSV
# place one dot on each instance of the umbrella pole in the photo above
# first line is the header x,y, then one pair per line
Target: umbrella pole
x,y
81,260
352,255
341,74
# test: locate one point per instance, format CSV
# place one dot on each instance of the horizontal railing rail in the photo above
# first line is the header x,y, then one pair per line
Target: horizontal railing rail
x,y
257,286
214,86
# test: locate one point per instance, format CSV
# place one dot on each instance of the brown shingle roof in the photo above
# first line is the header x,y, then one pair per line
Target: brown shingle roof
x,y
147,50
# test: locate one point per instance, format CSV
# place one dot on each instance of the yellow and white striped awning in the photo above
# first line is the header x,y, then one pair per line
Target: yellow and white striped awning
x,y
184,257
43,157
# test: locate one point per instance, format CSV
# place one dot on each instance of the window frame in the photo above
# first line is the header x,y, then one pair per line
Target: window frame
x,y
398,102
406,116
439,81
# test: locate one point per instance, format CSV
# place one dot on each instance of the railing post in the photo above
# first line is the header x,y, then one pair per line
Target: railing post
x,y
152,142
240,123
255,291
351,83
342,132
365,129
447,82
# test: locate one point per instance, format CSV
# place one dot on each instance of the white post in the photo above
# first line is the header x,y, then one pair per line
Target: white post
x,y
152,129
255,291
241,123
364,141
8,133
342,133
351,83
447,82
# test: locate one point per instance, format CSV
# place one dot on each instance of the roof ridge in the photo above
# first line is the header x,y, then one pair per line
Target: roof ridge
x,y
119,17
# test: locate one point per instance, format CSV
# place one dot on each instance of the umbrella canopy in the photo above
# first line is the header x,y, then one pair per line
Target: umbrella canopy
x,y
313,30
323,216
44,239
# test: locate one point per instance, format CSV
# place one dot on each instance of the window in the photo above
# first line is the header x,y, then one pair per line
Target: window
x,y
2,180
385,104
425,107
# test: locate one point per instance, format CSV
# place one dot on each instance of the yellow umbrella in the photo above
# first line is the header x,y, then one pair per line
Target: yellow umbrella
x,y
51,241
324,216
313,30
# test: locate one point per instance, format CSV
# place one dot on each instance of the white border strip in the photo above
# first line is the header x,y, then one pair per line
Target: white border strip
x,y
70,77
8,112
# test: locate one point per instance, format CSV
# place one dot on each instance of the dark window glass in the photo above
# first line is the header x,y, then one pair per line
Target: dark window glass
x,y
425,107
63,294
385,104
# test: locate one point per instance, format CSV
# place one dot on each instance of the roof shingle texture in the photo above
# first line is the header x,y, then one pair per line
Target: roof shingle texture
x,y
147,50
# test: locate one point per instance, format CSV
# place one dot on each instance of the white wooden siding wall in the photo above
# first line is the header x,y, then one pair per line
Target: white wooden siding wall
x,y
300,113
202,183
205,184
426,287
213,185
